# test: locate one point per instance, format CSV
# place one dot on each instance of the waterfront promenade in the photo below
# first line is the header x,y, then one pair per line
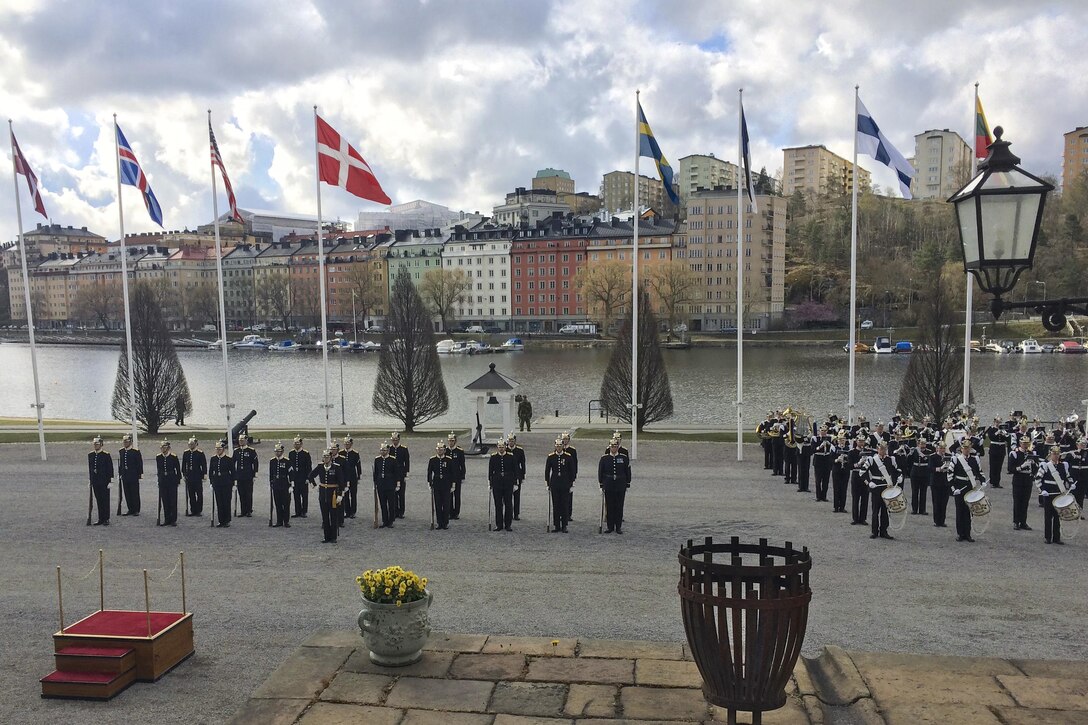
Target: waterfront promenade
x,y
258,593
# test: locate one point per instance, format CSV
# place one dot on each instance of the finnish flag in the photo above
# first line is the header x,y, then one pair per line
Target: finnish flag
x,y
872,142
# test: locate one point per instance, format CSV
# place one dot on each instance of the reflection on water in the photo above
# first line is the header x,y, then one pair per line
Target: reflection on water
x,y
77,382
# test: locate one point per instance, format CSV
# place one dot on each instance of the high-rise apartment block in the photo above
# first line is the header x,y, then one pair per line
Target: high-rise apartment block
x,y
705,171
815,170
943,162
1075,158
618,193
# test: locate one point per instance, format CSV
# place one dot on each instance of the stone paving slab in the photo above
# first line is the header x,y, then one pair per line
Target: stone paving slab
x,y
503,680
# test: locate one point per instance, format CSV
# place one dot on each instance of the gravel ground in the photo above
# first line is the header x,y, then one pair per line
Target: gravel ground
x,y
257,592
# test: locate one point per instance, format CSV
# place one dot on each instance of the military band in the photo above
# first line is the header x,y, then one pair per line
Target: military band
x,y
1053,480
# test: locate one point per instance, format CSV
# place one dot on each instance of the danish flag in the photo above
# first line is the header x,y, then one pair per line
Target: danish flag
x,y
22,167
339,164
133,175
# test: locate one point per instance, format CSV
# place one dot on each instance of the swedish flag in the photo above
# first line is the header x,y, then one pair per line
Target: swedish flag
x,y
647,146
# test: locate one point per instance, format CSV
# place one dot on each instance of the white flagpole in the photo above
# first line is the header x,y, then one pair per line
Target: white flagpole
x,y
741,181
970,278
634,298
124,290
853,265
226,405
321,284
26,297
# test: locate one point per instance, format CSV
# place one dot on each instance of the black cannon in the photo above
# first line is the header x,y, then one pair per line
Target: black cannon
x,y
241,427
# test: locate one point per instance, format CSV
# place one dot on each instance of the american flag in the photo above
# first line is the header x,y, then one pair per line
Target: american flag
x,y
22,167
133,175
217,160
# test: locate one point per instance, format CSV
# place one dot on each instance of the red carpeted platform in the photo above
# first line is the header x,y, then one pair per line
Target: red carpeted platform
x,y
117,623
170,640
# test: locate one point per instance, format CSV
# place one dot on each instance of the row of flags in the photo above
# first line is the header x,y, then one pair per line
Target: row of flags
x,y
341,165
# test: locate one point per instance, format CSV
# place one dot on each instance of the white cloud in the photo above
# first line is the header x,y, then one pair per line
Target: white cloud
x,y
459,102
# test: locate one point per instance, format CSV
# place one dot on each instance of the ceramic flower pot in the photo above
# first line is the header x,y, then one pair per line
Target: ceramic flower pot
x,y
395,635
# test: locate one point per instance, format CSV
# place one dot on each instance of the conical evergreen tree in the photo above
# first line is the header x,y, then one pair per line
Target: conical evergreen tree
x,y
654,393
159,379
409,385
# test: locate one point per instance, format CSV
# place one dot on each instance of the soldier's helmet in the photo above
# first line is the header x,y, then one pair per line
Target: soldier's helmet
x,y
220,444
192,439
298,439
384,447
165,444
440,446
394,436
348,439
97,439
126,438
452,436
278,448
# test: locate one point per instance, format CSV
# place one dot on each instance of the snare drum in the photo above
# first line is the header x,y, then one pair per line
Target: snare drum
x,y
894,499
978,503
1067,508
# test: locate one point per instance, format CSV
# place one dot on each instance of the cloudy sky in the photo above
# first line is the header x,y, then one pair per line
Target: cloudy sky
x,y
458,102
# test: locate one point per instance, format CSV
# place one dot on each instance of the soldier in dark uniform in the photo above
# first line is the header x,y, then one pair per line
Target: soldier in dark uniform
x,y
558,475
339,462
326,477
168,468
221,477
841,468
998,450
387,479
859,492
966,475
100,470
353,468
823,453
763,431
776,431
502,478
404,466
1053,480
573,453
457,454
441,471
940,466
807,444
279,481
1022,464
789,451
194,468
1077,461
614,478
246,466
881,474
130,469
301,466
616,437
519,457
917,469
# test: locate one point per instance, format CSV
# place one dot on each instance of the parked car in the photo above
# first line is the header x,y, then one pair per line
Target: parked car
x,y
866,324
579,328
209,328
682,327
475,329
493,330
373,330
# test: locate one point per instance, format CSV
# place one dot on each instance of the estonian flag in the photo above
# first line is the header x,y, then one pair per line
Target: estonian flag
x,y
872,142
746,155
647,146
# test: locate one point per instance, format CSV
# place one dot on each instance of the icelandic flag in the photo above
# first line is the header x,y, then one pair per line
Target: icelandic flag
x,y
872,141
133,175
647,146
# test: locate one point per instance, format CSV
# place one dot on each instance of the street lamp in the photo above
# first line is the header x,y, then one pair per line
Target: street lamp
x,y
999,212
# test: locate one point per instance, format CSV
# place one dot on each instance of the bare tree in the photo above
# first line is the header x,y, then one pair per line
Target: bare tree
x,y
933,383
201,304
100,303
274,296
159,379
444,290
364,279
409,386
306,299
38,306
674,285
654,393
605,288
5,301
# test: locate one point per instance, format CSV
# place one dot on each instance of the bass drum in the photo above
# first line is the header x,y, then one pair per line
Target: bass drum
x,y
1067,508
894,499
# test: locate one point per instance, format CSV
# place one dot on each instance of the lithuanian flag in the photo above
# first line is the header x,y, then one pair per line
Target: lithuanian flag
x,y
982,131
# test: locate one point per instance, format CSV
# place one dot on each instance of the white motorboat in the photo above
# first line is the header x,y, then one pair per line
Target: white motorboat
x,y
1029,347
514,344
251,342
447,346
479,348
215,345
285,346
993,347
882,345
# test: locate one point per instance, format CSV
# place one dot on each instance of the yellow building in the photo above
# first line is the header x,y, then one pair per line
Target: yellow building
x,y
815,170
1075,158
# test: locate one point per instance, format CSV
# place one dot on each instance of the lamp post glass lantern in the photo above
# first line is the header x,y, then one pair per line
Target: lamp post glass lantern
x,y
998,214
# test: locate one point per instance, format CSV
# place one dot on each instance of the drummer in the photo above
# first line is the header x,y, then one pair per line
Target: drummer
x,y
1053,480
883,476
966,476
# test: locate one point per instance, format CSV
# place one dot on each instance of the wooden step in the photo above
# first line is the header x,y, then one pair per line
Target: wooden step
x,y
85,658
86,685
